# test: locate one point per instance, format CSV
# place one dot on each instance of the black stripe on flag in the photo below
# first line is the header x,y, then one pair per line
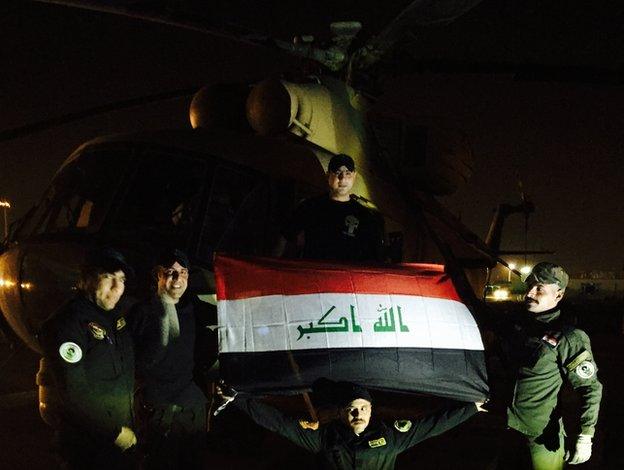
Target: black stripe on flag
x,y
450,373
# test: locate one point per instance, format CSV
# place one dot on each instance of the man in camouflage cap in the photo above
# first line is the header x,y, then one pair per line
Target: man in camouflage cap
x,y
544,352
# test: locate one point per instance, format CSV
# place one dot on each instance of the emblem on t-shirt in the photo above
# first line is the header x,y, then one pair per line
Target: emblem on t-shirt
x,y
96,330
352,223
121,322
70,352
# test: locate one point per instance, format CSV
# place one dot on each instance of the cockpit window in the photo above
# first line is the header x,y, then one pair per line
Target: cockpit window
x,y
80,194
162,196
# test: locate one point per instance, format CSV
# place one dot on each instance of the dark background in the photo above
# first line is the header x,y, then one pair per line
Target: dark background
x,y
536,86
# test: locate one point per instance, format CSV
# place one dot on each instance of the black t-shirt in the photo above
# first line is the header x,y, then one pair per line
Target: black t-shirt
x,y
334,230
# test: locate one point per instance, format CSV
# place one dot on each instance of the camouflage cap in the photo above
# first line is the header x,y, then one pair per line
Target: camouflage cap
x,y
548,273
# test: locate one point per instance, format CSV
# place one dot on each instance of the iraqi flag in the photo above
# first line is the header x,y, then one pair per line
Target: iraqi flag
x,y
285,323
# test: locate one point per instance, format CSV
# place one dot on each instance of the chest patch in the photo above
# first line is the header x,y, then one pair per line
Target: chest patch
x,y
377,442
585,370
97,331
403,425
70,352
121,323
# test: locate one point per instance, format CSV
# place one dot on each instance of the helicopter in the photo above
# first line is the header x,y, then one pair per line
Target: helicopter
x,y
253,151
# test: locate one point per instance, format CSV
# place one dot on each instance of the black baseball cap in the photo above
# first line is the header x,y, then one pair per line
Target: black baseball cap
x,y
108,260
341,160
170,256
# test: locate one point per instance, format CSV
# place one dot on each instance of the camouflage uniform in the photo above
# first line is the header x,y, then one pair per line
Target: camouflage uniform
x,y
543,352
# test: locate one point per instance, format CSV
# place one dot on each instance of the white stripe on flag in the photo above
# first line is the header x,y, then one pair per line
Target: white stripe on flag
x,y
325,321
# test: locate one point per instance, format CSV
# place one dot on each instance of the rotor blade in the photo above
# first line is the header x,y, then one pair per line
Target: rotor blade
x,y
150,16
23,131
417,13
526,252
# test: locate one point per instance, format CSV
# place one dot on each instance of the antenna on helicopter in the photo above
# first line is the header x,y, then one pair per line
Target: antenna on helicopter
x,y
494,236
495,233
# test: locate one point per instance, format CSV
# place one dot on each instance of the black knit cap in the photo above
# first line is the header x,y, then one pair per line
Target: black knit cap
x,y
347,392
108,260
341,160
168,257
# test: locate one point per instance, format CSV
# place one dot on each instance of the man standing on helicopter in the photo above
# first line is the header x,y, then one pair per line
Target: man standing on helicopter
x,y
89,351
173,407
335,226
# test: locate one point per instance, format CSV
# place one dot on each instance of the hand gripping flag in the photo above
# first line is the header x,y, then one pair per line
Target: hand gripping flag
x,y
285,323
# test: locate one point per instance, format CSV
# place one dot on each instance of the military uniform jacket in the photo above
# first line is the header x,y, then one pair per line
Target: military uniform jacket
x,y
90,354
165,372
336,446
543,352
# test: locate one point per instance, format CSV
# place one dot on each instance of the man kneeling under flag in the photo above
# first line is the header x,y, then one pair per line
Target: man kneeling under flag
x,y
352,441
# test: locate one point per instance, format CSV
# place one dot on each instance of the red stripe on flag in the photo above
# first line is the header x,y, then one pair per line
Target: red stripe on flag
x,y
242,278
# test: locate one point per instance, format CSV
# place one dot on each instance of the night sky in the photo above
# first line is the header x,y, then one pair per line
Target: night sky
x,y
563,139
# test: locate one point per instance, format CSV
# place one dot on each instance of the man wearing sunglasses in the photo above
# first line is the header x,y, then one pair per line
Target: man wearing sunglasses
x,y
335,226
173,408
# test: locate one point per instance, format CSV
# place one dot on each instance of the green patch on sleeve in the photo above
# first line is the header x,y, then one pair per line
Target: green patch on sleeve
x,y
584,355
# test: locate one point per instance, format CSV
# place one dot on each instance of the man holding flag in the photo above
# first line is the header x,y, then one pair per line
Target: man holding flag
x,y
352,441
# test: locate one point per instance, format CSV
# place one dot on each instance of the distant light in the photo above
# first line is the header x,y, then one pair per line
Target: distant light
x,y
512,266
526,269
26,285
6,204
500,294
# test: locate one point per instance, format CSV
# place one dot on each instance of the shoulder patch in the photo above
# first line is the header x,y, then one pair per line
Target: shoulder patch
x,y
313,425
578,359
585,370
402,425
96,330
377,442
121,322
70,352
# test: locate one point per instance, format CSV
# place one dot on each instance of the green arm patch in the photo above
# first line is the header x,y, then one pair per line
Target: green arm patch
x,y
582,356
